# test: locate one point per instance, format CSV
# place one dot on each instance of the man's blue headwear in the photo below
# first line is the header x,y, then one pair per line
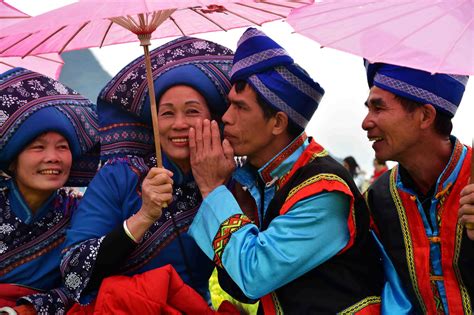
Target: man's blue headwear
x,y
272,73
443,91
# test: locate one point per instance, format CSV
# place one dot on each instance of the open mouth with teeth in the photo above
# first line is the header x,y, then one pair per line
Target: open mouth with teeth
x,y
375,139
50,172
179,140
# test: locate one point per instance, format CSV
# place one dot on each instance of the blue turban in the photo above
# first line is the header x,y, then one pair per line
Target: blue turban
x,y
124,105
443,91
32,104
272,73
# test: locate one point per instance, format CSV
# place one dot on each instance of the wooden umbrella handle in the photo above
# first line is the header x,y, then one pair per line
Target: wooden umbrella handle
x,y
153,108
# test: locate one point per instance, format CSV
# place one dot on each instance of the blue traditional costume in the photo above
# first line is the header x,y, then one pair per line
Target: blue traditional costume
x,y
127,146
31,243
427,250
304,248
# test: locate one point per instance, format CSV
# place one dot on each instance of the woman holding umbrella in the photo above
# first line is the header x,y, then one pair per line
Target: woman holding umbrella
x,y
48,138
134,216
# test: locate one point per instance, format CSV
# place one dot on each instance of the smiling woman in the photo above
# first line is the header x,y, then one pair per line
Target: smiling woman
x,y
49,139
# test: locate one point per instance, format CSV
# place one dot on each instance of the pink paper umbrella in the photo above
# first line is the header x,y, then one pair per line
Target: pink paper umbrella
x,y
47,64
93,23
435,36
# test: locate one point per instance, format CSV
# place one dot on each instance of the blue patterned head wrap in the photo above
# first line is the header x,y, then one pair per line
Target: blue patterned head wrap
x,y
32,104
272,73
443,91
124,105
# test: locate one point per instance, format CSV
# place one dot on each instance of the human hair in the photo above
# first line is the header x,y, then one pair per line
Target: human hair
x,y
293,129
380,162
352,165
442,124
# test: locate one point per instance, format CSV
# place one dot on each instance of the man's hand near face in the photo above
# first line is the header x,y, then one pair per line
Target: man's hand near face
x,y
212,162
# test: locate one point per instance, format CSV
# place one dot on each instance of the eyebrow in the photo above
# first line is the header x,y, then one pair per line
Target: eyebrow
x,y
240,103
374,101
186,103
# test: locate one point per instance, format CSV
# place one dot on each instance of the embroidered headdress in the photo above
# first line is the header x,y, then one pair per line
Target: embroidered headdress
x,y
124,106
32,104
272,73
443,91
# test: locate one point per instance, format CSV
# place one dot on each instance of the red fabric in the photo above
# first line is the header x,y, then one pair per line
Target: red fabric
x,y
371,309
9,293
267,305
421,250
450,223
421,245
158,291
378,173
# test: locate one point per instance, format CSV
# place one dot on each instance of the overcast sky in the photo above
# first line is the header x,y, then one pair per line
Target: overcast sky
x,y
336,123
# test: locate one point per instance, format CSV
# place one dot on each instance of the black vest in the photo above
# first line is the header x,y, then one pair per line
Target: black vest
x,y
386,218
343,280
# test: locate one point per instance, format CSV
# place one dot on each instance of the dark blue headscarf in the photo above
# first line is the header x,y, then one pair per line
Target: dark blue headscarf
x,y
124,105
32,104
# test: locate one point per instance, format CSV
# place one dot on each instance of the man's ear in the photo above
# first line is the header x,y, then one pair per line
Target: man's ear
x,y
280,123
428,116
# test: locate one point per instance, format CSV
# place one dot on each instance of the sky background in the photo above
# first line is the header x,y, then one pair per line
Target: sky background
x,y
336,124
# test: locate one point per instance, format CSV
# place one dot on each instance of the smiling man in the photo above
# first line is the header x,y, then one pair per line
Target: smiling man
x,y
415,205
290,228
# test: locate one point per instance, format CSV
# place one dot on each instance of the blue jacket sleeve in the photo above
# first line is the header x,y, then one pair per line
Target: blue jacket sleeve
x,y
110,198
311,232
394,298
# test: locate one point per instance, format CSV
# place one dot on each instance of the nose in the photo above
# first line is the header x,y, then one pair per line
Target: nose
x,y
180,122
227,117
52,155
367,123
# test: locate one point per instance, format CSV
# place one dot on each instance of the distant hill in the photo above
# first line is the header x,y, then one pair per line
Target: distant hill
x,y
83,73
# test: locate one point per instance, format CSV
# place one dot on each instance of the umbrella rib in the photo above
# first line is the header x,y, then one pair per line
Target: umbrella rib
x,y
451,48
7,64
15,43
263,10
72,37
279,4
49,59
105,34
243,17
312,13
203,15
44,40
176,23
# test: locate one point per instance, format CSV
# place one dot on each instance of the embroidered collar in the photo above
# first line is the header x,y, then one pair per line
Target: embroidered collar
x,y
269,170
276,167
21,209
445,179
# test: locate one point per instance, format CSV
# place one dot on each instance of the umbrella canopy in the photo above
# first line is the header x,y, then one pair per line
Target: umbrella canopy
x,y
47,64
93,23
435,36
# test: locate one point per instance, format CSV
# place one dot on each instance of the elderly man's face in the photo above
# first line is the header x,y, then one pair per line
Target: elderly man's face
x,y
245,126
394,131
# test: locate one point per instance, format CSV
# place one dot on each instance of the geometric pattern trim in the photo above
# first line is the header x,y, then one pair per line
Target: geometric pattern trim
x,y
370,300
229,226
417,92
